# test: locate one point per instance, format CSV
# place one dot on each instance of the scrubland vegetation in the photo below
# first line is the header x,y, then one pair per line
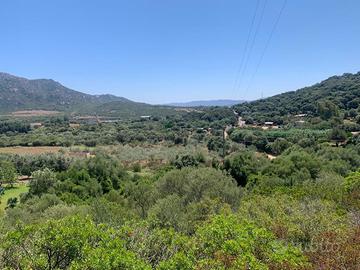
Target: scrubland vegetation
x,y
173,192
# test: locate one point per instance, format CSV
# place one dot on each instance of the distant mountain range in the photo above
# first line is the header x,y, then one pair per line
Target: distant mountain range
x,y
207,103
18,93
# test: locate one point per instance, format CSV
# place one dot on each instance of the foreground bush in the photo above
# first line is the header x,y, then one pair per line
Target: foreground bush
x,y
71,243
77,243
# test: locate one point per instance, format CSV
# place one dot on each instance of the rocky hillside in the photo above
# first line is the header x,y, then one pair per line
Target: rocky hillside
x,y
18,93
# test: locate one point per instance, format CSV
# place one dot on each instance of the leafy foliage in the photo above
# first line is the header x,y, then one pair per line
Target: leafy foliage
x,y
7,172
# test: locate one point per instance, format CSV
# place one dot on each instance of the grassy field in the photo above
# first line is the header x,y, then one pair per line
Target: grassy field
x,y
33,113
11,193
20,150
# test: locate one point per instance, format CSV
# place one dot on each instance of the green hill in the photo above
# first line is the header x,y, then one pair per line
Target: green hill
x,y
340,93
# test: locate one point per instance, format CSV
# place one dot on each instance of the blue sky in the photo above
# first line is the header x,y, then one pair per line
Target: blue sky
x,y
160,51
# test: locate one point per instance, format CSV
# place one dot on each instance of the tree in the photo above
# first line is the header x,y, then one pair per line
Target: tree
x,y
42,181
109,254
141,195
186,161
189,196
327,109
337,135
154,245
295,166
11,203
168,213
227,243
195,184
53,245
106,171
216,144
279,146
70,243
7,172
242,165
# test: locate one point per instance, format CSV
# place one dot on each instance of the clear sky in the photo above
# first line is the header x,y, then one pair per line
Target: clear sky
x,y
160,51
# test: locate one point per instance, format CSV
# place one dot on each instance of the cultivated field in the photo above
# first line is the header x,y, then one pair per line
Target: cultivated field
x,y
32,113
20,150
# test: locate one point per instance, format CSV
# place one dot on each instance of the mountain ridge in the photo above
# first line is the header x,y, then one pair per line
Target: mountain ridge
x,y
21,94
18,93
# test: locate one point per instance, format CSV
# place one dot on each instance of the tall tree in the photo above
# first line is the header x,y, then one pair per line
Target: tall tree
x,y
7,173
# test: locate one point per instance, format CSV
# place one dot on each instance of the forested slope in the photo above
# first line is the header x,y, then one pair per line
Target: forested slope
x,y
339,92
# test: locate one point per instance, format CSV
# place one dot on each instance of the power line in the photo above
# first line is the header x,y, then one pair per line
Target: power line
x,y
253,41
246,45
267,43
